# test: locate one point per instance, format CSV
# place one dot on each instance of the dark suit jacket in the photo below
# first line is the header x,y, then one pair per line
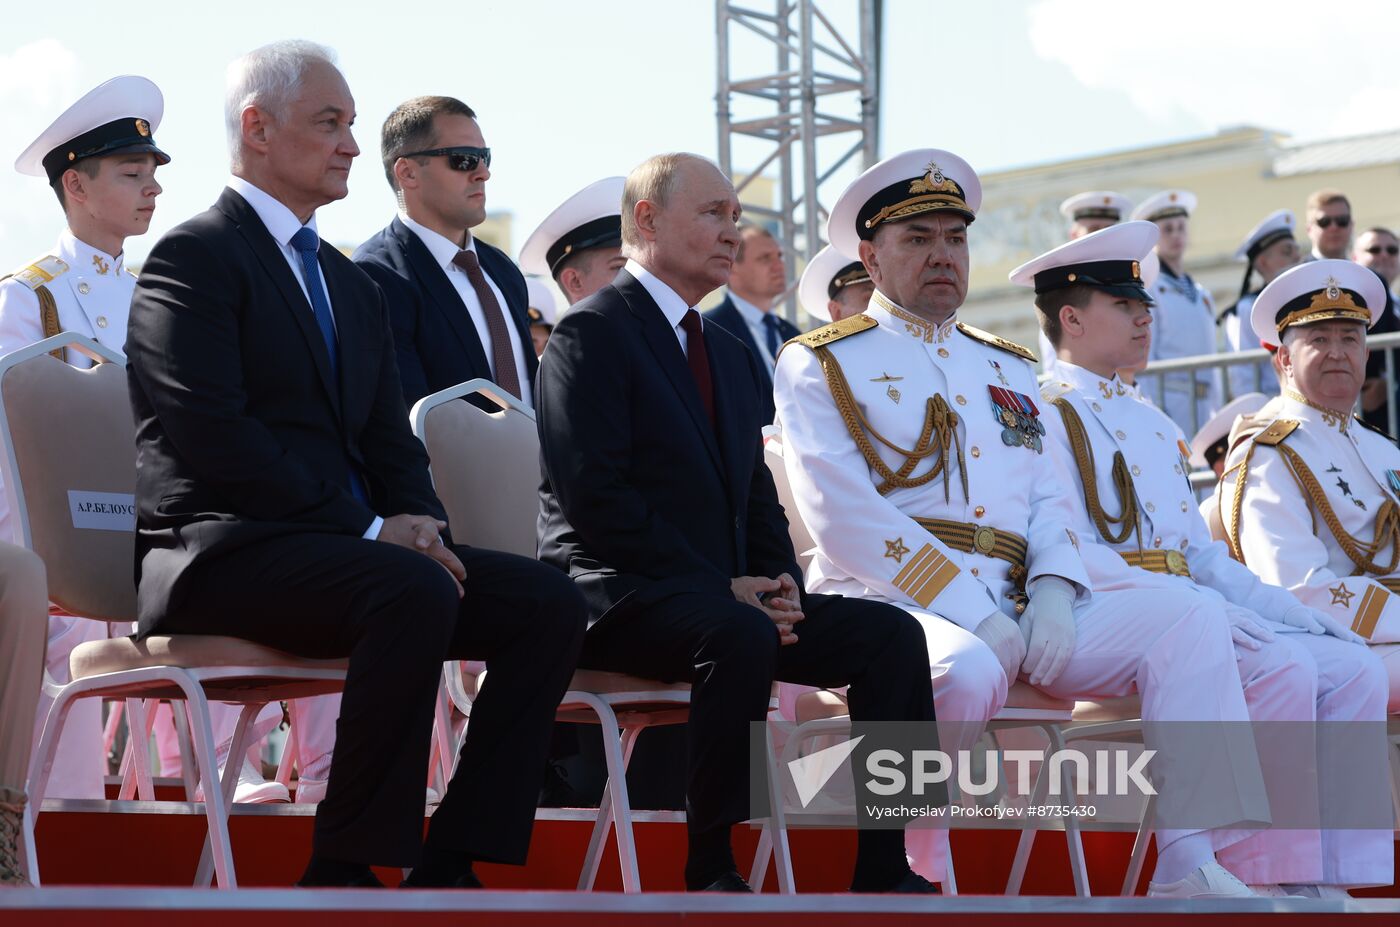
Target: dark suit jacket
x,y
437,343
242,434
640,497
727,316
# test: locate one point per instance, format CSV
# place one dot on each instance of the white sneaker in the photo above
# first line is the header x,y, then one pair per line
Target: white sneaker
x,y
1329,892
1209,881
1272,891
252,788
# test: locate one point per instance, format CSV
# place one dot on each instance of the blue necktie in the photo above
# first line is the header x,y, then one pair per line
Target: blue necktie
x,y
775,338
306,243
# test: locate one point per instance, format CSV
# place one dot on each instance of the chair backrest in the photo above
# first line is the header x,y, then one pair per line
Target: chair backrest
x,y
802,541
485,465
70,472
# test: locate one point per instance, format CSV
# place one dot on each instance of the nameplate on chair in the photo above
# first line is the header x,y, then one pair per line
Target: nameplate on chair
x,y
102,511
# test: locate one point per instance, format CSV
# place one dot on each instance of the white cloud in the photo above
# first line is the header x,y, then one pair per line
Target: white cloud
x,y
1296,65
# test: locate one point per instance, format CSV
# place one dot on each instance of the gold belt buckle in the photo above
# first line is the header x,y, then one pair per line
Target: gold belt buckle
x,y
1176,563
984,539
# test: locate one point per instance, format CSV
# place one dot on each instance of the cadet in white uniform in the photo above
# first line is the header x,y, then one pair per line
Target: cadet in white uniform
x,y
1313,502
100,158
915,450
834,287
1183,320
1270,249
1140,529
1086,213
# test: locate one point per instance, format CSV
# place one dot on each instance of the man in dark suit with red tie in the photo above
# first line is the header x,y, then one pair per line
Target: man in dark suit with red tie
x,y
657,500
458,305
282,498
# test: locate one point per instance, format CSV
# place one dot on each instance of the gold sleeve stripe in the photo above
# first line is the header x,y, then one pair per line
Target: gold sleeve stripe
x,y
1372,604
925,575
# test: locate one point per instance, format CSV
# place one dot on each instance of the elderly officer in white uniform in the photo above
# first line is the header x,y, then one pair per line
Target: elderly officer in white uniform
x,y
1140,529
1313,502
1270,249
100,158
1183,322
915,453
834,287
1086,213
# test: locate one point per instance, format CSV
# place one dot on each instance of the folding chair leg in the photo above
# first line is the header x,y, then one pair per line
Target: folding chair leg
x,y
114,723
216,804
1144,837
614,807
40,767
1079,870
140,716
761,855
27,846
1395,781
289,757
228,783
445,746
777,821
189,769
1026,842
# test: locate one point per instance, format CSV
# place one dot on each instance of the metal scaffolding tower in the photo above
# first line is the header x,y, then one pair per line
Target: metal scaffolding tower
x,y
811,114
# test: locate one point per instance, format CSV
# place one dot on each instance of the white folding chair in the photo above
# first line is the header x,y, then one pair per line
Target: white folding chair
x,y
69,469
485,471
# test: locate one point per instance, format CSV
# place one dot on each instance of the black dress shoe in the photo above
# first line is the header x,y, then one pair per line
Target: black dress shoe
x,y
467,879
913,884
339,875
731,881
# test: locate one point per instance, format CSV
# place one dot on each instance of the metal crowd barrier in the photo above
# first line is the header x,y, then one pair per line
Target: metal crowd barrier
x,y
1156,386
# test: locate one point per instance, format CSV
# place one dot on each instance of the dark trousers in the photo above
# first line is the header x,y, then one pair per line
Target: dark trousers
x,y
729,652
396,615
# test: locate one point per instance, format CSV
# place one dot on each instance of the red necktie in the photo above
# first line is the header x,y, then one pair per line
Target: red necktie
x,y
699,360
502,357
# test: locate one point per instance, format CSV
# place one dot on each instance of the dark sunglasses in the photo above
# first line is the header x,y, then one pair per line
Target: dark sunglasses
x,y
1388,249
1326,221
461,158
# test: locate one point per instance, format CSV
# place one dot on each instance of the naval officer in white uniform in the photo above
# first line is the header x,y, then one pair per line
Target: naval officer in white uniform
x,y
915,449
1183,320
1312,503
1140,529
1269,249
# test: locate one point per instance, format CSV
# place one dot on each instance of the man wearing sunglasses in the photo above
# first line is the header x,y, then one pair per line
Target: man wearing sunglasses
x,y
1379,249
458,306
1329,224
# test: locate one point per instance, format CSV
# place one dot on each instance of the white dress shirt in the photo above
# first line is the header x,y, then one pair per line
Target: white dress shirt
x,y
672,306
443,250
282,224
753,318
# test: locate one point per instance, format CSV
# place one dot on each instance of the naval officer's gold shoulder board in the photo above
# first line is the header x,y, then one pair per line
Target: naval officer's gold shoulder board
x,y
1277,432
45,270
827,334
997,341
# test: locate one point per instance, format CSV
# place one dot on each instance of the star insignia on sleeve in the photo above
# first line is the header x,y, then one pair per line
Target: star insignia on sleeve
x,y
1344,486
1341,595
896,550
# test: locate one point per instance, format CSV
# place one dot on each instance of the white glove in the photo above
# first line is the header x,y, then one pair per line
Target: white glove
x,y
1246,629
1002,635
1048,626
1315,621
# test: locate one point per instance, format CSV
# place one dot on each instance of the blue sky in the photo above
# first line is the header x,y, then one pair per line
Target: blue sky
x,y
568,92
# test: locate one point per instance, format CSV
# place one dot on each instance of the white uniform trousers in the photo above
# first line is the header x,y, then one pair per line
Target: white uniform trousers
x,y
313,718
1347,684
81,761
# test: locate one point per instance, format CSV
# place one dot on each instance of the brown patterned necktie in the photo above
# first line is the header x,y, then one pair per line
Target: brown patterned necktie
x,y
502,357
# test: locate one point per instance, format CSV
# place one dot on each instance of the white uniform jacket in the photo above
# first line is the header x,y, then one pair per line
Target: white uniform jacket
x,y
1183,325
1116,420
971,398
91,290
1282,524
